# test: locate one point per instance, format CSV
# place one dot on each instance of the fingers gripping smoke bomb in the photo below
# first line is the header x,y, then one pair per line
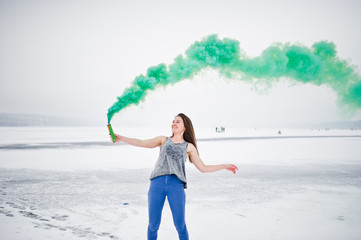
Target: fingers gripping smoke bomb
x,y
318,65
112,133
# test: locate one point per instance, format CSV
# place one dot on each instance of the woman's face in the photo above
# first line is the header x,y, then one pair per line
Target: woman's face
x,y
178,125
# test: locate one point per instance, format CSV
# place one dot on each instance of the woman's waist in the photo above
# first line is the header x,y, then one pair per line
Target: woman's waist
x,y
167,179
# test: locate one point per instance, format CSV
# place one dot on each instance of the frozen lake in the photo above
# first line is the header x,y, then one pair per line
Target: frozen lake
x,y
73,183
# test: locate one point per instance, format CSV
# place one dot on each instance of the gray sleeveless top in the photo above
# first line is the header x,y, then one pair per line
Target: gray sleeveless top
x,y
171,160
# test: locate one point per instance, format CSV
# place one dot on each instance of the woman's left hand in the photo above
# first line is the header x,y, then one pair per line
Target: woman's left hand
x,y
231,167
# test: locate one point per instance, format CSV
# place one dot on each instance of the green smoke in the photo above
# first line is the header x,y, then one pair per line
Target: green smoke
x,y
318,65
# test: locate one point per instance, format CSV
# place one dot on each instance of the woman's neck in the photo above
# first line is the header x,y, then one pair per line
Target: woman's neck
x,y
178,138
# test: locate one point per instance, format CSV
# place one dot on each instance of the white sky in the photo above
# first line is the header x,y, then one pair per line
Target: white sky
x,y
73,58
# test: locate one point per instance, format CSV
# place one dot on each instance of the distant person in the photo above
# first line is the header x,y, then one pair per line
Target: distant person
x,y
168,178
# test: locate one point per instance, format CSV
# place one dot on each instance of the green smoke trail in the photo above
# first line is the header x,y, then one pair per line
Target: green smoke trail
x,y
318,65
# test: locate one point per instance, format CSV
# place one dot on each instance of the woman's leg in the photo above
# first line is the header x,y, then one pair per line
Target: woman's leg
x,y
156,198
177,201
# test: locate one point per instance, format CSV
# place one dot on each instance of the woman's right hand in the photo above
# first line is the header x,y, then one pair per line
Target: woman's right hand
x,y
117,137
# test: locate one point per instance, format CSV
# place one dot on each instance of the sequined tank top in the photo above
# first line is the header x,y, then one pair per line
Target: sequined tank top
x,y
171,160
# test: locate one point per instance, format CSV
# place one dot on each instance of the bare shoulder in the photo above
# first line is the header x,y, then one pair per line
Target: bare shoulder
x,y
190,148
161,139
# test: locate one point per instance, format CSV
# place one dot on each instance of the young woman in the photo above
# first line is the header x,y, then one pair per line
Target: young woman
x,y
168,178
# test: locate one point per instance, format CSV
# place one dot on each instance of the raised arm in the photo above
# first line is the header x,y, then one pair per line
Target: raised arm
x,y
149,143
199,164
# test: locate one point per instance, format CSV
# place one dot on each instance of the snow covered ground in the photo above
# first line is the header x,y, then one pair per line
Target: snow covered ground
x,y
73,183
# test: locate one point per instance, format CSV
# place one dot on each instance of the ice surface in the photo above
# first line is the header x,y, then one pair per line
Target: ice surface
x,y
286,188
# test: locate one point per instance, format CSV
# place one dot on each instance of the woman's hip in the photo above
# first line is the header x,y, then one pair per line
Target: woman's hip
x,y
166,181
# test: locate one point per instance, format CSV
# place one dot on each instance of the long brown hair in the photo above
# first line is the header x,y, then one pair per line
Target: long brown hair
x,y
188,135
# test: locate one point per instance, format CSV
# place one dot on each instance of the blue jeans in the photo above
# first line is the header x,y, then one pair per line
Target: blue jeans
x,y
171,187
